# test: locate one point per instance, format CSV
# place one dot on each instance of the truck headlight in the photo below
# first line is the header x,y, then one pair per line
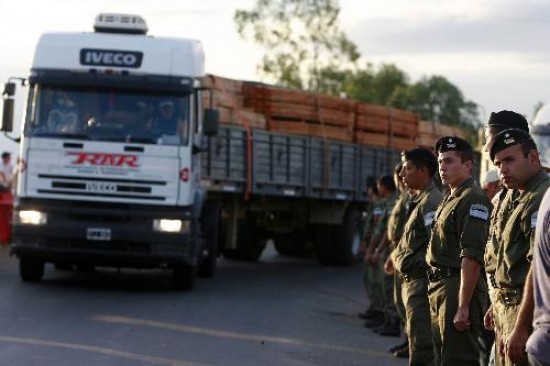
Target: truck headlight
x,y
31,217
171,226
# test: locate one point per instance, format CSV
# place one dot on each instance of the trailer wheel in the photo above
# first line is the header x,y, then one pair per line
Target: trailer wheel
x,y
250,241
348,243
184,277
324,234
210,234
31,269
291,245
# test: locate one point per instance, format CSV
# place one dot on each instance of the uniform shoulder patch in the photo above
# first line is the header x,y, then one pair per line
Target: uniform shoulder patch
x,y
429,218
534,219
479,211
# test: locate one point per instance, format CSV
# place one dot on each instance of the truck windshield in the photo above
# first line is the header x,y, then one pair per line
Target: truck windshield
x,y
108,115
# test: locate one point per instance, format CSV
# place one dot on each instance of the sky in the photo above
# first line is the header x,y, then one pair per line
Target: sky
x,y
495,51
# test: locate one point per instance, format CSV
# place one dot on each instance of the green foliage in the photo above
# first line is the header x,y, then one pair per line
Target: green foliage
x,y
305,47
375,86
436,99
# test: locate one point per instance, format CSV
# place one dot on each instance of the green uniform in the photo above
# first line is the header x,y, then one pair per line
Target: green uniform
x,y
410,262
386,282
460,230
371,278
396,223
502,199
512,241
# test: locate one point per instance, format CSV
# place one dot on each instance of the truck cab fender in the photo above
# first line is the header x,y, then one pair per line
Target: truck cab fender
x,y
198,203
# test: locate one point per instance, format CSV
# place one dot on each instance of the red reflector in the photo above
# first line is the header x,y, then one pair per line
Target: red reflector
x,y
184,174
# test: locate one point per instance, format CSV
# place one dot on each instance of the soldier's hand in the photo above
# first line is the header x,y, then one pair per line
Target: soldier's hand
x,y
515,344
489,320
389,269
461,320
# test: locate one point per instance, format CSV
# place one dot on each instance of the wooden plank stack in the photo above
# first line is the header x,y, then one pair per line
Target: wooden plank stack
x,y
292,111
430,132
227,98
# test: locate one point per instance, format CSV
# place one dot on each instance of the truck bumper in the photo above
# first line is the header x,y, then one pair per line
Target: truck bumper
x,y
132,241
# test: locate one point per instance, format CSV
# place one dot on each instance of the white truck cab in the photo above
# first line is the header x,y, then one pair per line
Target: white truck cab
x,y
110,148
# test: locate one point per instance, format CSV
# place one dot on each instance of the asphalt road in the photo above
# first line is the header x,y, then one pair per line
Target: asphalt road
x,y
278,311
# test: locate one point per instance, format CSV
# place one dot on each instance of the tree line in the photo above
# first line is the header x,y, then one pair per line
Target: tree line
x,y
306,49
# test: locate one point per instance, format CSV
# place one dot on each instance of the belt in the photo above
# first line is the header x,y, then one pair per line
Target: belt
x,y
414,274
509,296
438,273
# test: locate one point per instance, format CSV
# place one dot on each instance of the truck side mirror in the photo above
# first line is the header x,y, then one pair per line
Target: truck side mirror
x,y
211,121
7,113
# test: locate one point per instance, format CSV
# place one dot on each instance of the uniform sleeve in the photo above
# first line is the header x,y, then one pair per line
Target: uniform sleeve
x,y
473,222
428,214
528,225
382,224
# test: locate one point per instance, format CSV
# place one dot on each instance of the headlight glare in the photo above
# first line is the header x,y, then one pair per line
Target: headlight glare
x,y
31,217
171,226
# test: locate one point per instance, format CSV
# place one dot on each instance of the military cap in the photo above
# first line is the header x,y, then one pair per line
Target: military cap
x,y
451,143
508,119
507,138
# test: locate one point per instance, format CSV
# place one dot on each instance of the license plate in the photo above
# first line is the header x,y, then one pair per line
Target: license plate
x,y
97,233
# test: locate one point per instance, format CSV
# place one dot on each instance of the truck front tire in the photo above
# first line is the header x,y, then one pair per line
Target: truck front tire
x,y
210,235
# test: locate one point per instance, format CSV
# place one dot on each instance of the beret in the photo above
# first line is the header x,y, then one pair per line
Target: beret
x,y
508,119
507,138
452,143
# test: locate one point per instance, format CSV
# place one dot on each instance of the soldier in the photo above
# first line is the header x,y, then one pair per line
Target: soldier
x,y
457,293
515,155
374,314
419,168
378,248
391,327
498,122
396,222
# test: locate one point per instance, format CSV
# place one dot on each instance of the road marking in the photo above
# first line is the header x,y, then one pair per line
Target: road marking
x,y
101,350
237,336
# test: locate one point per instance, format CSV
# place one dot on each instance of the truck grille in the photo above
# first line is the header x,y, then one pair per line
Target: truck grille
x,y
102,187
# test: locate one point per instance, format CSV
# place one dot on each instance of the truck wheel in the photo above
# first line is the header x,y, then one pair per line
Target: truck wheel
x,y
31,269
347,245
250,242
324,235
210,234
291,245
184,277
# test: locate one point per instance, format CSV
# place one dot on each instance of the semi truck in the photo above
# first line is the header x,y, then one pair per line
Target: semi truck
x,y
122,166
109,170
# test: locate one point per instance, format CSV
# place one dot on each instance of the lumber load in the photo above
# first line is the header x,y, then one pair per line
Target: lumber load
x,y
430,132
293,111
226,96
